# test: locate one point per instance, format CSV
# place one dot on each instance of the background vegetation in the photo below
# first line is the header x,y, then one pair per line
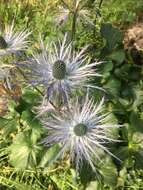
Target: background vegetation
x,y
26,164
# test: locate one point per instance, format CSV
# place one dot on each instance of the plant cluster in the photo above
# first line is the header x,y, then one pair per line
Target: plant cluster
x,y
71,105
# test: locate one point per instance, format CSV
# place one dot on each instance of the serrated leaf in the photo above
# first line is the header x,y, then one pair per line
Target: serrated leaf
x,y
23,151
112,35
49,156
110,178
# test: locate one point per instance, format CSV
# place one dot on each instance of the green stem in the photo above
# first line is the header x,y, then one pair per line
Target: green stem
x,y
21,72
73,30
94,30
100,4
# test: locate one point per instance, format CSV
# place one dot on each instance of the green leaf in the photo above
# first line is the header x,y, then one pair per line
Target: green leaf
x,y
24,151
118,56
12,183
122,177
136,122
123,71
4,122
138,159
30,119
125,103
107,66
134,73
113,86
106,69
109,173
94,185
86,169
138,96
23,105
31,96
27,101
8,126
112,35
129,72
122,153
49,156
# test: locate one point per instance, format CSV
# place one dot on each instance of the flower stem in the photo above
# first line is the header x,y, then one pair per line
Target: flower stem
x,y
73,30
37,89
100,4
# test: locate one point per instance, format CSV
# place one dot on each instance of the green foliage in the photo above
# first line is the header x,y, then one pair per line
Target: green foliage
x,y
112,35
24,151
24,162
121,12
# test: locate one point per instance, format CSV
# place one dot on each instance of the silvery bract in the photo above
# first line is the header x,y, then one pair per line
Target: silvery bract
x,y
5,75
73,8
61,70
83,131
11,41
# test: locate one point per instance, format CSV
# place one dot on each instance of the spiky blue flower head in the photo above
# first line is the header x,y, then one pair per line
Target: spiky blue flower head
x,y
11,41
61,70
83,132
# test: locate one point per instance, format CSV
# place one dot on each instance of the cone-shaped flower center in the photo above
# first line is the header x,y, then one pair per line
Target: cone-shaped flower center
x,y
3,43
80,129
59,70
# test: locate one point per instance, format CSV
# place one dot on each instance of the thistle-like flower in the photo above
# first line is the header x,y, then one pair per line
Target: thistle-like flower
x,y
83,131
70,8
61,70
12,42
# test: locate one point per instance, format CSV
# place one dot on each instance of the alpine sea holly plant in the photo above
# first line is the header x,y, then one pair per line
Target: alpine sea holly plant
x,y
60,70
75,136
11,41
81,130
